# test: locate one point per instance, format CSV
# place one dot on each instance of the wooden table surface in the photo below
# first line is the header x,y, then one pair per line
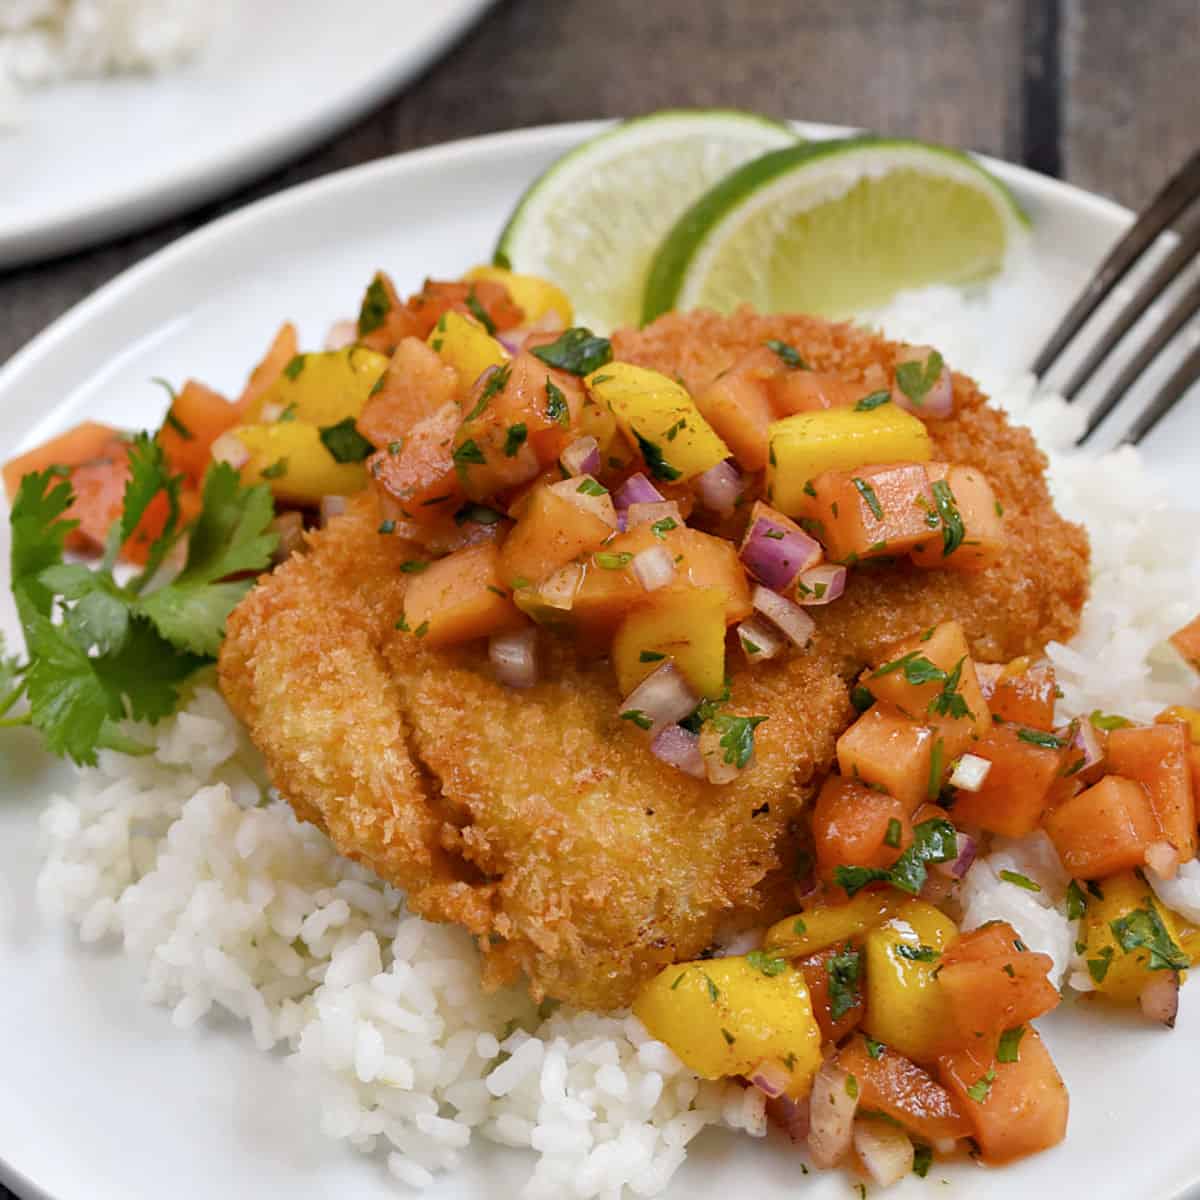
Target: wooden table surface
x,y
1100,92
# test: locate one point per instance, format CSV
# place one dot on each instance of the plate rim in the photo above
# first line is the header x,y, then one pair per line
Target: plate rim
x,y
129,209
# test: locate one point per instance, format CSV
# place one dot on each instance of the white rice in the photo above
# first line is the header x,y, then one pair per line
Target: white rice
x,y
48,41
224,900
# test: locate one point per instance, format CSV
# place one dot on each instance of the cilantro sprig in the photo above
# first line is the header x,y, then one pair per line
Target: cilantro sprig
x,y
934,841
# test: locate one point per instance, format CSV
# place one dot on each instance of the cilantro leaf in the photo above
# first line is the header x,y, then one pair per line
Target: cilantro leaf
x,y
843,970
1143,928
578,351
787,354
344,443
916,378
737,737
953,531
656,462
38,536
375,307
934,841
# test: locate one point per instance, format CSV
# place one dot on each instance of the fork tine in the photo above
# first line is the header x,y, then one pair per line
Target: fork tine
x,y
1164,208
1171,393
1185,308
1157,283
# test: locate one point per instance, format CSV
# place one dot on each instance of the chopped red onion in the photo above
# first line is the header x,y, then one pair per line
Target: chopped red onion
x,y
938,401
332,506
969,772
341,334
716,768
647,514
1163,859
792,1116
1159,998
654,567
759,640
290,528
885,1150
679,748
771,1078
514,657
958,866
228,448
558,589
774,551
585,492
989,676
1087,740
637,489
512,340
831,1116
662,698
788,617
820,585
721,486
582,457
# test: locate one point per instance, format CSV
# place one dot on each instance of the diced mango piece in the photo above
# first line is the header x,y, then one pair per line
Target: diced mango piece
x,y
535,296
460,597
1018,786
420,474
291,457
737,405
463,344
321,388
905,1006
821,925
966,506
724,1016
660,418
686,625
1105,829
885,748
551,533
854,825
1157,757
1015,1108
803,446
415,385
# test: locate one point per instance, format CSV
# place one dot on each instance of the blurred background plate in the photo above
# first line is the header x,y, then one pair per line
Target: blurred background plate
x,y
88,160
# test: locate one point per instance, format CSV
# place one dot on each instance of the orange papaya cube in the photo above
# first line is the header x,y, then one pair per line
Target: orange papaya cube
x,y
1157,757
1015,1108
738,406
460,597
552,532
993,982
1181,714
816,970
1194,765
281,351
892,1084
196,418
871,511
1019,785
420,475
1104,829
883,747
932,679
1187,642
83,443
1026,697
416,385
809,391
426,307
970,530
856,826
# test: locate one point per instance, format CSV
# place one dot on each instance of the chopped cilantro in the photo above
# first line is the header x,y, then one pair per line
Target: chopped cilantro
x,y
1021,881
714,992
978,1091
288,414
934,841
375,307
867,492
1143,929
924,954
613,561
421,630
1098,966
893,834
788,355
922,1159
844,970
655,462
1008,1051
1107,722
173,422
344,442
875,1049
1035,737
662,527
936,767
1076,901
414,566
651,656
638,717
556,403
952,523
737,737
393,448
294,367
577,351
852,1087
729,1038
496,383
872,401
799,926
277,470
949,702
387,526
750,647
466,455
480,514
862,698
768,964
480,313
591,487
916,378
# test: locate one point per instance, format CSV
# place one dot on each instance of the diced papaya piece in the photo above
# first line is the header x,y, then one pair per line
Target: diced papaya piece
x,y
460,597
384,321
847,1003
415,385
1026,766
855,826
932,679
196,418
738,406
281,351
420,476
885,748
1026,697
686,625
1194,764
468,297
972,535
892,1084
552,532
86,441
1187,642
803,446
993,982
660,419
1157,757
1104,829
1015,1108
466,347
534,296
1181,714
823,924
811,391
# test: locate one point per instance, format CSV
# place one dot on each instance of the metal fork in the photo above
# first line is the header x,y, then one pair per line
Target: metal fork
x,y
1175,198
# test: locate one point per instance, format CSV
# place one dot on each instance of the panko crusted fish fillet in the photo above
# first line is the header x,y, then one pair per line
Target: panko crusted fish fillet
x,y
537,818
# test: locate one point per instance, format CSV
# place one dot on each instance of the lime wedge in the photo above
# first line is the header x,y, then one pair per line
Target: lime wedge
x,y
592,222
834,228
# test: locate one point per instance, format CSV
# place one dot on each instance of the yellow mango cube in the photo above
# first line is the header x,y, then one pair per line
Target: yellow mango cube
x,y
723,1016
320,389
462,343
534,295
800,447
659,417
825,925
686,626
905,1006
291,457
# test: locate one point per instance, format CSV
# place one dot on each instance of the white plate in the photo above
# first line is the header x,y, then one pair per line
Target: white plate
x,y
92,159
101,1097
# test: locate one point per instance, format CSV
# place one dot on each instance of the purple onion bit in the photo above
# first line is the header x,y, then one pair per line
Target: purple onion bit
x,y
637,489
775,553
720,487
679,748
820,585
